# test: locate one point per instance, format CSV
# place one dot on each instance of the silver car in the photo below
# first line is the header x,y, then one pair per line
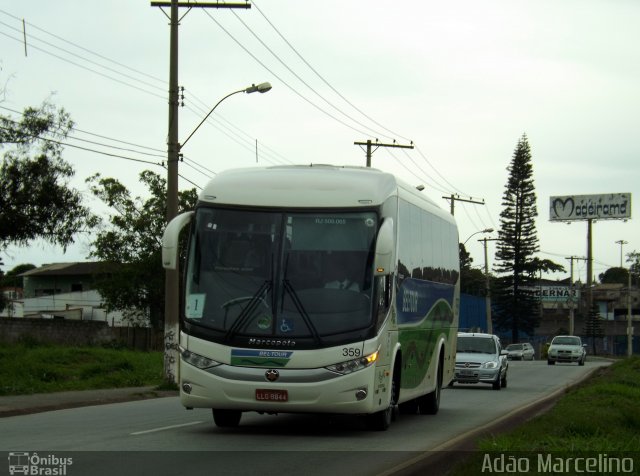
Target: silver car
x,y
523,351
481,359
567,349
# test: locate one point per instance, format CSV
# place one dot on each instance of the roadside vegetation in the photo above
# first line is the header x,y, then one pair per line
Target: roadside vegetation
x,y
599,416
32,367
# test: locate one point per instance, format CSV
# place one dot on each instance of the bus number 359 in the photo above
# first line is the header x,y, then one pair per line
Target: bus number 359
x,y
351,352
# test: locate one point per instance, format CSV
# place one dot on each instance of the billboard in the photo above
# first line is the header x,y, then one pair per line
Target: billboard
x,y
585,207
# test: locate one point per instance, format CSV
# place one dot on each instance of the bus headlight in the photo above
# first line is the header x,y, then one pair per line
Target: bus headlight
x,y
197,360
354,365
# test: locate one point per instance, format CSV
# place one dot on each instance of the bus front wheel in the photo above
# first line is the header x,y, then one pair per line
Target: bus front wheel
x,y
380,421
226,418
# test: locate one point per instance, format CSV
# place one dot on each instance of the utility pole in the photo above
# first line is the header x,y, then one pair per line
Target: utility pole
x,y
629,328
487,284
377,144
171,321
453,199
572,295
589,263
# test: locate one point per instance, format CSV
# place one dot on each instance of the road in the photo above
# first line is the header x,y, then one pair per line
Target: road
x,y
161,437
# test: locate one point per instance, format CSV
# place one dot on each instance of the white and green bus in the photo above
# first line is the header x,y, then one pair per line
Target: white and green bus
x,y
315,289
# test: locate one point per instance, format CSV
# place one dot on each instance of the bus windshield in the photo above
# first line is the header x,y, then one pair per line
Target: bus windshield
x,y
277,274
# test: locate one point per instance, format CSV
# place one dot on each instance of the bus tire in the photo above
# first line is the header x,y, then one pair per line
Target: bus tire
x,y
226,418
380,421
429,404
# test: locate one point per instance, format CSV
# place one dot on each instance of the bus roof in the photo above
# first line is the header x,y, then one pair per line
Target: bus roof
x,y
295,186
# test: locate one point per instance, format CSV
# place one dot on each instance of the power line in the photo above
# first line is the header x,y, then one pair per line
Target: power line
x,y
85,67
267,153
329,103
393,134
234,132
85,148
142,73
109,146
300,95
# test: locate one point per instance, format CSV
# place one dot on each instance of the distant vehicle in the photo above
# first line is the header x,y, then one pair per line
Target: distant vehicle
x,y
567,349
481,359
522,351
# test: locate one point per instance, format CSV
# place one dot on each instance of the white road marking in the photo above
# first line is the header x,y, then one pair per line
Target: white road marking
x,y
153,430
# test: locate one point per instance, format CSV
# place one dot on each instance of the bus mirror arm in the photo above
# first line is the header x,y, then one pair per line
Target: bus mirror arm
x,y
385,246
170,239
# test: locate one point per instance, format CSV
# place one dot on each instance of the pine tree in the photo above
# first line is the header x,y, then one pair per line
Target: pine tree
x,y
516,307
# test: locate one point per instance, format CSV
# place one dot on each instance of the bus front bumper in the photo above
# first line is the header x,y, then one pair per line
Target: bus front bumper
x,y
284,390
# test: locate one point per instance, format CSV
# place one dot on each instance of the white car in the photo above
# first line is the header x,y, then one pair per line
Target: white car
x,y
481,359
567,349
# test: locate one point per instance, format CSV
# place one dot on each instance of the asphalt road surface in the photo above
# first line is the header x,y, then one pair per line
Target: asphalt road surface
x,y
160,437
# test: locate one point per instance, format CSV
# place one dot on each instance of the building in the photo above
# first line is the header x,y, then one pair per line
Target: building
x,y
62,291
613,302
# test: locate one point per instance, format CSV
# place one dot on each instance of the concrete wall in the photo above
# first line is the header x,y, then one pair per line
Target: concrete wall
x,y
78,333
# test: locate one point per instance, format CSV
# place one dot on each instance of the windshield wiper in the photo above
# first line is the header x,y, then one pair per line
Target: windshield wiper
x,y
248,309
300,307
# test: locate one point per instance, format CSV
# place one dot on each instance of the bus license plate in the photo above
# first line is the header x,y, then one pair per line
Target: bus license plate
x,y
268,395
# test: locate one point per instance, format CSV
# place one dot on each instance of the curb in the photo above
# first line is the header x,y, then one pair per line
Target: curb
x,y
43,402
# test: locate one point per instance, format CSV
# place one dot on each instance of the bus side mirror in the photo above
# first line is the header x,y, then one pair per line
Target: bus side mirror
x,y
385,246
170,239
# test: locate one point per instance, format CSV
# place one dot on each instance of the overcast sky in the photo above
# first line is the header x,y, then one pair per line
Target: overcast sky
x,y
463,80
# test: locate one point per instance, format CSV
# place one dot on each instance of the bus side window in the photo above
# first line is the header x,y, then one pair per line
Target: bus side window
x,y
383,298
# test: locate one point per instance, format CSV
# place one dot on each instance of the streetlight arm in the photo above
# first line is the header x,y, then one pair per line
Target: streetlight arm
x,y
486,230
261,88
208,114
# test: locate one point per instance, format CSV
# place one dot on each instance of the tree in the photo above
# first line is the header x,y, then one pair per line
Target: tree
x,y
593,326
472,281
130,246
11,280
516,307
633,259
615,276
537,266
36,200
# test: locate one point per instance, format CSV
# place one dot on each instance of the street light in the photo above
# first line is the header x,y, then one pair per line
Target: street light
x,y
261,88
486,230
621,243
171,324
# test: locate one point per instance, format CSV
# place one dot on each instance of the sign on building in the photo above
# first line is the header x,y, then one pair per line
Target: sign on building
x,y
585,207
556,293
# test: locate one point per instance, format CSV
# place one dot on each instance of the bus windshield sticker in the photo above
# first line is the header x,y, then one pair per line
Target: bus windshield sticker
x,y
195,306
264,322
286,325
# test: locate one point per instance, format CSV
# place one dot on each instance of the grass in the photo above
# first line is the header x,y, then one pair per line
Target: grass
x,y
599,416
28,368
